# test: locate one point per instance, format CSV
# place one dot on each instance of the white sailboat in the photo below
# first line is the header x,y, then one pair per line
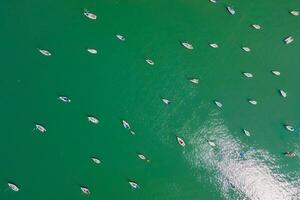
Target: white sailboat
x,y
252,101
166,101
64,99
96,160
248,75
256,26
13,187
125,124
92,51
276,73
93,119
230,10
194,80
219,104
211,143
294,13
283,93
40,128
85,190
247,49
288,40
214,45
150,62
289,128
89,15
120,37
246,132
180,141
44,52
133,184
187,45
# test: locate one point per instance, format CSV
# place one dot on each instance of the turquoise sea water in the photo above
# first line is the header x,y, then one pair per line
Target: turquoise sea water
x,y
118,84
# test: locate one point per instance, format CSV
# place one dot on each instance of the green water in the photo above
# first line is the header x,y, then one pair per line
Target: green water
x,y
118,84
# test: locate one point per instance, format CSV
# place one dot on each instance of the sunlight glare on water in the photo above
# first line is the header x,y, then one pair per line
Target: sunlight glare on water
x,y
254,176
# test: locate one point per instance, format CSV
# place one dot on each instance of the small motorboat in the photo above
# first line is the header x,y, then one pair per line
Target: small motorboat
x,y
89,14
13,187
252,101
289,154
211,143
166,101
294,13
214,45
246,132
276,73
64,99
283,93
194,80
289,128
85,190
247,49
230,10
92,51
256,26
93,119
96,160
180,141
125,124
120,37
288,40
133,184
44,52
213,1
187,45
40,128
150,62
132,132
219,104
248,75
